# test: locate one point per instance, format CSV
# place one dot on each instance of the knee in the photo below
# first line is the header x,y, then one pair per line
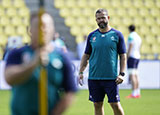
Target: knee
x,y
98,105
115,106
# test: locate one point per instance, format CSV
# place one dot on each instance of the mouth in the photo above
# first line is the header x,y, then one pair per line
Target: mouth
x,y
102,25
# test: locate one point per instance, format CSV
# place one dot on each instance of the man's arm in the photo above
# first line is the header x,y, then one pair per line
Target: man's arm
x,y
18,73
64,103
123,61
83,65
84,62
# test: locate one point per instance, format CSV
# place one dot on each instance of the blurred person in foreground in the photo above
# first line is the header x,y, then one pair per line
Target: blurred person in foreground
x,y
133,56
102,50
23,72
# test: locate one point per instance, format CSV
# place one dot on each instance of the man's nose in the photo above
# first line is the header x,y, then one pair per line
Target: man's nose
x,y
101,19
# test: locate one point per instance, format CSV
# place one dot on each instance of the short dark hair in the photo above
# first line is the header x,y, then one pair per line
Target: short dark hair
x,y
132,28
102,10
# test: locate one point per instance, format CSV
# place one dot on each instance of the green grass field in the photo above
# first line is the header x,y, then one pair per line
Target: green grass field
x,y
148,104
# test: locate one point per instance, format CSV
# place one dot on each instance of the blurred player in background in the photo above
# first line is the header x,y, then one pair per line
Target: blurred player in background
x,y
133,56
23,71
59,43
102,50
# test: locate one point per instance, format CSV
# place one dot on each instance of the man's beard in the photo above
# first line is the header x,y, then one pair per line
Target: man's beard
x,y
103,25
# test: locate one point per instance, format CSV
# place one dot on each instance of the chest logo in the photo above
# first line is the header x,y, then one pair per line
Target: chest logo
x,y
102,35
57,63
112,38
94,39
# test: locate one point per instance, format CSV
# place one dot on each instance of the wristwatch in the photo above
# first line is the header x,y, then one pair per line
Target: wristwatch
x,y
122,74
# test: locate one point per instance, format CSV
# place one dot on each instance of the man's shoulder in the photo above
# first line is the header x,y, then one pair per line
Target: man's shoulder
x,y
19,50
133,35
116,31
93,32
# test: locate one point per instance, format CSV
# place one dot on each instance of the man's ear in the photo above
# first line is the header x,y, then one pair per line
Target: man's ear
x,y
108,17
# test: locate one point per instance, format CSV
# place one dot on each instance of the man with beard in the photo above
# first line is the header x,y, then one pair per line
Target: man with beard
x,y
102,50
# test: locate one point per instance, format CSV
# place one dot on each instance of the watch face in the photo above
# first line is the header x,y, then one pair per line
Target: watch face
x,y
122,74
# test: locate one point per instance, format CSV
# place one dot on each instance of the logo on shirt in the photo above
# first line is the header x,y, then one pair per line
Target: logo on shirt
x,y
117,96
102,35
112,38
94,39
90,96
57,63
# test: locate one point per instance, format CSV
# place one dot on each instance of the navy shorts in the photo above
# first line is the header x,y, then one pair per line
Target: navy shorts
x,y
98,89
132,62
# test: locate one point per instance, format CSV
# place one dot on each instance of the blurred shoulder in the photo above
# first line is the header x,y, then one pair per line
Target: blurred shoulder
x,y
60,55
19,50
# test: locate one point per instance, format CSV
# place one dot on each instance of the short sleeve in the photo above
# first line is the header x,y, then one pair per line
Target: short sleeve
x,y
121,44
14,57
88,49
130,39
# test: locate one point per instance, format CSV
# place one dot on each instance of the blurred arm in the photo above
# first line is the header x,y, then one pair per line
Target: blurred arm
x,y
16,74
64,103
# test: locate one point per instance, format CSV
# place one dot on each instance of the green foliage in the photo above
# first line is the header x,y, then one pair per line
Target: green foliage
x,y
148,104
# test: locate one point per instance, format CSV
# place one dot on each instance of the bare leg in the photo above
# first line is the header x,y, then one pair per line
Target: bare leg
x,y
133,81
98,107
137,82
135,85
117,108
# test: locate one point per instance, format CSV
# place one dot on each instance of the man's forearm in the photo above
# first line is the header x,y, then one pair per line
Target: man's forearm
x,y
17,74
84,62
123,60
